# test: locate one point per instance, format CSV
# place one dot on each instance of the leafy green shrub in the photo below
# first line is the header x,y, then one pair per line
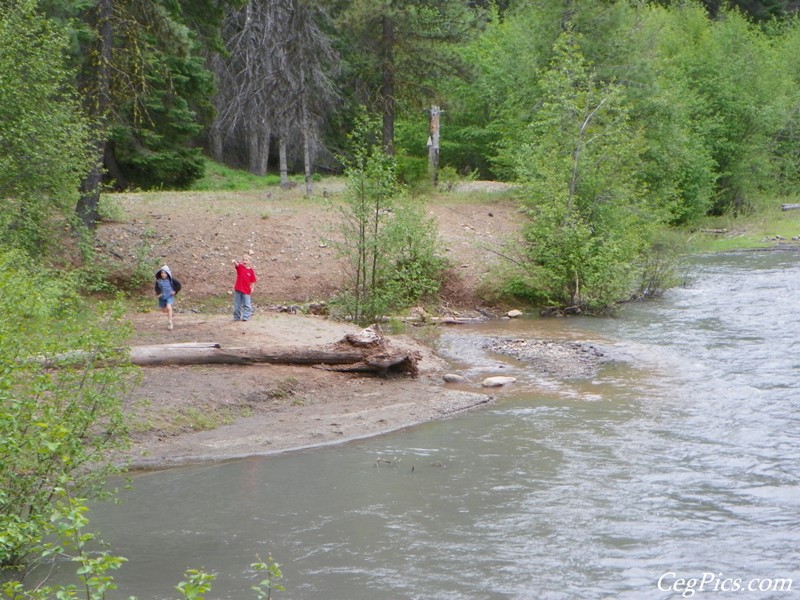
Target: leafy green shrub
x,y
517,285
416,265
61,384
449,178
588,220
44,137
389,245
69,540
659,270
411,169
110,209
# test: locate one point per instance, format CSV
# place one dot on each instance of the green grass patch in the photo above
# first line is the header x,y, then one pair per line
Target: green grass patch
x,y
146,418
219,304
763,229
110,209
199,420
218,177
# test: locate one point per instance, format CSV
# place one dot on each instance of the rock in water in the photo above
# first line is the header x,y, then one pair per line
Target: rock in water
x,y
498,381
453,378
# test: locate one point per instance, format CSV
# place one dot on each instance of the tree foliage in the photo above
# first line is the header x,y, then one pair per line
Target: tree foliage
x,y
578,158
711,93
743,99
391,247
44,138
156,96
395,51
153,144
786,146
60,395
757,10
139,69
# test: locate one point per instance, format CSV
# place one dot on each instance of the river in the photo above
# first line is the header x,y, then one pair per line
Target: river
x,y
680,460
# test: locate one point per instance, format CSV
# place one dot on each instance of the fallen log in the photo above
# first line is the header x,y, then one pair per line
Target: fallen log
x,y
789,206
384,365
366,352
444,320
207,354
458,320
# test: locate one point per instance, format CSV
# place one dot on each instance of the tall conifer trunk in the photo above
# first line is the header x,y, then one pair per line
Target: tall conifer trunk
x,y
306,127
387,85
87,207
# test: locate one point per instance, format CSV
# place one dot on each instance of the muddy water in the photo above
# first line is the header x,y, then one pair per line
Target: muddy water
x,y
682,458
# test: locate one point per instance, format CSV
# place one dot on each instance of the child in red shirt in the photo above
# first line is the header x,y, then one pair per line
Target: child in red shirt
x,y
245,278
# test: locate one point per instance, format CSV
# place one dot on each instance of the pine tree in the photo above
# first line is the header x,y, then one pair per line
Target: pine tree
x,y
275,81
395,51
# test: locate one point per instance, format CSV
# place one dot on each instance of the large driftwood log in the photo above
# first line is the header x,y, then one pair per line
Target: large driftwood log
x,y
366,352
210,353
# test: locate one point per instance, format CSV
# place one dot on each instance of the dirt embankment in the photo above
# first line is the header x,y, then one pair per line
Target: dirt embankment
x,y
289,240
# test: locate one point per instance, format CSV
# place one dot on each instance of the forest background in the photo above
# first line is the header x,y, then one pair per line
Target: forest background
x,y
616,121
621,125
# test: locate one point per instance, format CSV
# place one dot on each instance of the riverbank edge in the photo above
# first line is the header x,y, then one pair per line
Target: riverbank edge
x,y
276,409
265,409
470,401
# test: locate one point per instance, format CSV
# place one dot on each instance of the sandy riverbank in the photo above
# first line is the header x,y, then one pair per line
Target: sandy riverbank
x,y
201,413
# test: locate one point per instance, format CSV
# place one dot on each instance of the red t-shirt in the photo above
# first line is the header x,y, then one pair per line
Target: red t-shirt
x,y
245,278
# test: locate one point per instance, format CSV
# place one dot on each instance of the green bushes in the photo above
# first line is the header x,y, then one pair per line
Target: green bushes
x,y
389,245
60,392
44,139
588,222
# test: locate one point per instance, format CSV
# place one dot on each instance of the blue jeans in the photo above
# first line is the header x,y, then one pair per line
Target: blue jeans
x,y
242,307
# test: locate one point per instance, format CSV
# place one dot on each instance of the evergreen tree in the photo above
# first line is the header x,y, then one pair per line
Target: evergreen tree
x,y
274,82
144,88
394,52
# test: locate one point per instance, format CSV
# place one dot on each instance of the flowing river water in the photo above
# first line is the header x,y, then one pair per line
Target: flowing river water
x,y
680,460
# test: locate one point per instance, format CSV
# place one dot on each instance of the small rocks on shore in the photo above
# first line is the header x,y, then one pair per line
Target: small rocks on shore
x,y
567,360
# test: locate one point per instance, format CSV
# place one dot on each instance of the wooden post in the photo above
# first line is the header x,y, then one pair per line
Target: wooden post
x,y
433,145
